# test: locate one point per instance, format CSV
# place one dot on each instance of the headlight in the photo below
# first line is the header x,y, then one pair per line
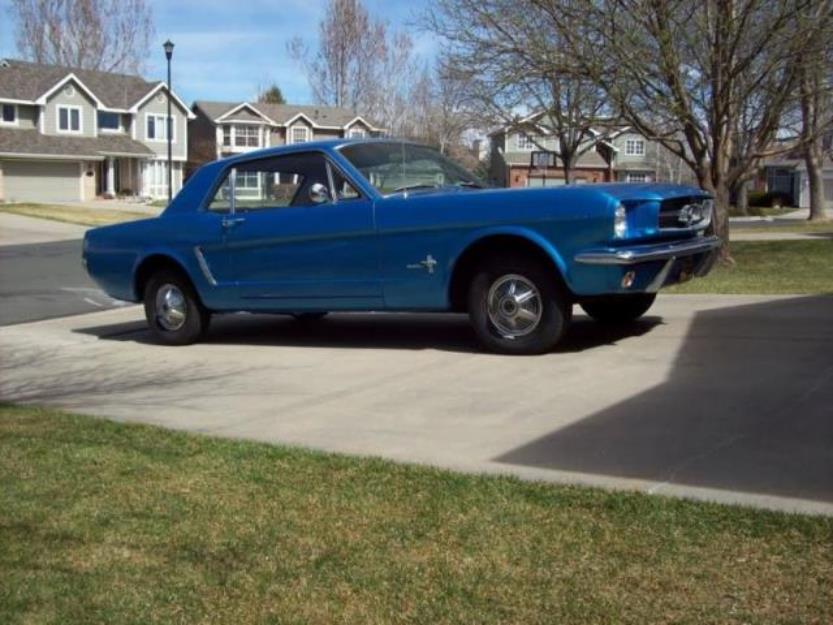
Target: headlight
x,y
620,222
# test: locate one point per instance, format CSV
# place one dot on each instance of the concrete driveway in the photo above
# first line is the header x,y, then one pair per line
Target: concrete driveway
x,y
726,398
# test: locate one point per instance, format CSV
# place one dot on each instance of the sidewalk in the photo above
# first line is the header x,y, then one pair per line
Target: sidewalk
x,y
797,215
20,230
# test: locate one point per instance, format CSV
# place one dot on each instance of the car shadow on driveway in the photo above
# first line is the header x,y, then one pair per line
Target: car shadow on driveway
x,y
446,332
748,406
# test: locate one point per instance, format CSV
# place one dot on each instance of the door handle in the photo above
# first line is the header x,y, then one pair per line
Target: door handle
x,y
230,222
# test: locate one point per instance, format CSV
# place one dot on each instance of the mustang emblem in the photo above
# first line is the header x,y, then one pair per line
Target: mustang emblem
x,y
429,263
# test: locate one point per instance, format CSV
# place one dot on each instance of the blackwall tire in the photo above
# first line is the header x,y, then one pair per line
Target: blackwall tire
x,y
173,310
518,306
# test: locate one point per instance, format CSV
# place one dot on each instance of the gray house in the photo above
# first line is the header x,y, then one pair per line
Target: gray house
x,y
224,128
615,155
72,134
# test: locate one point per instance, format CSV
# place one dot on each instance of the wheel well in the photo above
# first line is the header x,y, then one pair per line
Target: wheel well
x,y
151,265
478,252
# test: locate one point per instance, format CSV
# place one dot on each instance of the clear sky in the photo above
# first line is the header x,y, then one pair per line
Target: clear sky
x,y
225,49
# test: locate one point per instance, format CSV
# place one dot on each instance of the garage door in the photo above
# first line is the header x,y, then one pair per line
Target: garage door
x,y
27,181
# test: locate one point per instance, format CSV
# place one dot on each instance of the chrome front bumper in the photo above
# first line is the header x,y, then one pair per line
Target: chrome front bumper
x,y
645,253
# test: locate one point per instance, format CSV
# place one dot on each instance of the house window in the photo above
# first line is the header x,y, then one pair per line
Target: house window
x,y
300,134
227,136
108,121
357,133
246,136
525,142
155,128
636,177
635,147
9,114
69,119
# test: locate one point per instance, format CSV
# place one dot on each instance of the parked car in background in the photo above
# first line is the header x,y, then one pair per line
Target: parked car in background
x,y
383,225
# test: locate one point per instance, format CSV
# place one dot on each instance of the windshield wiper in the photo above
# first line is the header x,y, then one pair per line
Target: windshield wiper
x,y
411,187
469,185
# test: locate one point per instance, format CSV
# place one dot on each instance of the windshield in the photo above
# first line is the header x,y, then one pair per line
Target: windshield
x,y
392,167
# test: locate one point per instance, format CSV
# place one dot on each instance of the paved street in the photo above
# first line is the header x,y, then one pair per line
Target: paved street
x,y
46,280
726,398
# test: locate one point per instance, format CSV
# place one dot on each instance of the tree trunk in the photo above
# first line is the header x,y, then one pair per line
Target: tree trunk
x,y
742,199
567,168
813,159
720,220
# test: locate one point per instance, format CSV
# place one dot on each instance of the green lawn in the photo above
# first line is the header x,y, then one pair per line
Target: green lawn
x,y
108,523
770,267
79,215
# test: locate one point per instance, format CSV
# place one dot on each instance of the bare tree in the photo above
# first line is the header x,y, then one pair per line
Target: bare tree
x,y
815,71
359,64
514,61
438,114
339,69
684,72
108,35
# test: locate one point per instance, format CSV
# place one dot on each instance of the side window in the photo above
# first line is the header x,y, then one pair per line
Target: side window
x,y
272,183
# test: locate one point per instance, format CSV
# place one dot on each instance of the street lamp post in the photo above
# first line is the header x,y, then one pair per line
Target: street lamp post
x,y
169,52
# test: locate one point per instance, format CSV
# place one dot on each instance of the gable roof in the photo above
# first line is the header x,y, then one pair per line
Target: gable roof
x,y
26,82
283,114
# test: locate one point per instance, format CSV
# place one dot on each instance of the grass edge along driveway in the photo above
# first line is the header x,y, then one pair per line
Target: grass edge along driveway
x,y
78,215
111,523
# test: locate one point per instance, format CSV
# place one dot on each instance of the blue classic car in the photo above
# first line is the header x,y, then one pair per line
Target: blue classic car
x,y
385,225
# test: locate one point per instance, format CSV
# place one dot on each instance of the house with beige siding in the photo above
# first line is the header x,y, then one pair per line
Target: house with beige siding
x,y
69,134
220,129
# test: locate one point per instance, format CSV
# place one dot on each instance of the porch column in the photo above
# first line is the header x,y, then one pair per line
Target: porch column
x,y
111,176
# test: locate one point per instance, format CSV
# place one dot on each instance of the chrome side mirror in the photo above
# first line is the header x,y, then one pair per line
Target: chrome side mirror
x,y
319,194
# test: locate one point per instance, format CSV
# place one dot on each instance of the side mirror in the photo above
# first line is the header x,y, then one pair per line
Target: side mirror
x,y
319,194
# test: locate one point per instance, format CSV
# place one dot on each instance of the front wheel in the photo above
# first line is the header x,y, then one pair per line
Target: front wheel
x,y
517,306
619,308
172,309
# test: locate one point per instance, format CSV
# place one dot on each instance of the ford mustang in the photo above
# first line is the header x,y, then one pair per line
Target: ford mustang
x,y
385,225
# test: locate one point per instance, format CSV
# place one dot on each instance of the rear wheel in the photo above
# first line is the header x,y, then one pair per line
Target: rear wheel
x,y
517,306
172,309
619,308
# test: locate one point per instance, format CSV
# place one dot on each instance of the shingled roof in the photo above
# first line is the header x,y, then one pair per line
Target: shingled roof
x,y
14,141
22,80
283,113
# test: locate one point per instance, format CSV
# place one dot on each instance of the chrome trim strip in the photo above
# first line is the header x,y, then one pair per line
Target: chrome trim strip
x,y
206,270
645,253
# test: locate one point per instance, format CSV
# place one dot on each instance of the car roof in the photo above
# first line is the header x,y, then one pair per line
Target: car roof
x,y
325,144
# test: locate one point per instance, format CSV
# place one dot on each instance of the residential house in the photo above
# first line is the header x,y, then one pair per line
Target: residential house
x,y
221,129
787,174
621,155
72,134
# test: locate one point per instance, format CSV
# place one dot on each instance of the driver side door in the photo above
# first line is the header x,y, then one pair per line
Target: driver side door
x,y
295,242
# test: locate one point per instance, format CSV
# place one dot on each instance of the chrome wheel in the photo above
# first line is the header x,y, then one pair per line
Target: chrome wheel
x,y
171,307
514,306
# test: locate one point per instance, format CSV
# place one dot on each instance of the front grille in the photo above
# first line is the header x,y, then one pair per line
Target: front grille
x,y
684,212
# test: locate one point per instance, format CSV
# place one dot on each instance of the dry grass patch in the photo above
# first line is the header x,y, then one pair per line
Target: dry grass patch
x,y
109,523
73,214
